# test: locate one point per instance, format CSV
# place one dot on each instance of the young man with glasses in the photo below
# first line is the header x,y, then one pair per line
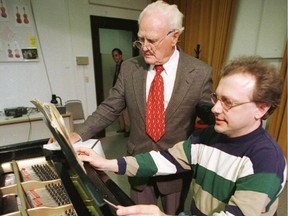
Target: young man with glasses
x,y
187,84
238,169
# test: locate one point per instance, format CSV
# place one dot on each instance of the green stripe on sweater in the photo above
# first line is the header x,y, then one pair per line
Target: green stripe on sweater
x,y
211,182
145,160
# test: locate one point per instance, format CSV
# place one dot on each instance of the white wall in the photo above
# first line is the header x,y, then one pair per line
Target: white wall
x,y
64,33
260,29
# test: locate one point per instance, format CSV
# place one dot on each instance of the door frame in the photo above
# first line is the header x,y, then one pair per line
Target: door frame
x,y
108,23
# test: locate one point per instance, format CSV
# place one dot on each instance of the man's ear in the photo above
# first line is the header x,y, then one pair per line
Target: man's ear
x,y
175,37
262,109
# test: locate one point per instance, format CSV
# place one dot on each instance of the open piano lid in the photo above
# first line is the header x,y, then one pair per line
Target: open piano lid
x,y
56,125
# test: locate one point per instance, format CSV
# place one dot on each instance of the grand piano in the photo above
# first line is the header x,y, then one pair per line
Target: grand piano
x,y
37,181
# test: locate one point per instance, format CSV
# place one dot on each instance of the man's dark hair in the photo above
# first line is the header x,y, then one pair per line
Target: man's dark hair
x,y
118,50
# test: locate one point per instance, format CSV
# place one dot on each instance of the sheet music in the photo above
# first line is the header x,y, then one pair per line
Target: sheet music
x,y
53,118
94,144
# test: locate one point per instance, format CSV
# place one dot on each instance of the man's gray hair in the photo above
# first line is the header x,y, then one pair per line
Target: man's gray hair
x,y
171,13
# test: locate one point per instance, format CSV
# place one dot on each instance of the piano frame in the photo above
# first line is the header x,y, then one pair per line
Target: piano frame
x,y
97,184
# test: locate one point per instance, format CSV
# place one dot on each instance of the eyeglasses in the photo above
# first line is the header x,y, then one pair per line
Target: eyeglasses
x,y
225,102
150,44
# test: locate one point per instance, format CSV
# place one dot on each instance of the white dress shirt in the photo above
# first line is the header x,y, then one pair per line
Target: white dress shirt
x,y
169,76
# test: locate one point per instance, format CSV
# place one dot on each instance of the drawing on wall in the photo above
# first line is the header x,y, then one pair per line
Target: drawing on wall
x,y
3,10
21,15
17,34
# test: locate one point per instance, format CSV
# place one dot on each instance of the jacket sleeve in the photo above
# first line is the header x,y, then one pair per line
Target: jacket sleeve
x,y
106,113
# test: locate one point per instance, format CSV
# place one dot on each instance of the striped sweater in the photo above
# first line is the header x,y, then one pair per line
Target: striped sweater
x,y
231,176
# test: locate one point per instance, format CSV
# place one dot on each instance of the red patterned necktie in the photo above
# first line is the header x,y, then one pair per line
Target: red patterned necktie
x,y
155,114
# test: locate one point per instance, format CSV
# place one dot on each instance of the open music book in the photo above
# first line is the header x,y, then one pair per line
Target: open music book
x,y
55,123
52,118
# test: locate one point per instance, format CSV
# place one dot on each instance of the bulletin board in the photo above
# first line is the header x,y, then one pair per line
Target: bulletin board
x,y
18,40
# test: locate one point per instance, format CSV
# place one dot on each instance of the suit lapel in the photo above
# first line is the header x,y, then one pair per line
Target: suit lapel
x,y
139,84
182,84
